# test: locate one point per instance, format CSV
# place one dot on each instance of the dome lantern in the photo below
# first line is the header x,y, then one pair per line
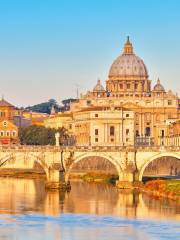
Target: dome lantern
x,y
128,48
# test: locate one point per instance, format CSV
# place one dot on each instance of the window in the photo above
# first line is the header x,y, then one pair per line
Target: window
x,y
96,139
162,133
127,131
5,123
112,139
112,131
135,86
96,132
127,115
137,117
121,86
128,86
169,115
2,114
157,103
96,115
88,102
8,133
14,133
169,102
1,133
137,133
148,131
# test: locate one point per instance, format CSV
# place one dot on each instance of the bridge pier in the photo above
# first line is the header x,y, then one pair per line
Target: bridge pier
x,y
128,179
56,180
125,180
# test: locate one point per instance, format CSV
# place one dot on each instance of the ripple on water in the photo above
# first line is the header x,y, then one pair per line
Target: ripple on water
x,y
83,226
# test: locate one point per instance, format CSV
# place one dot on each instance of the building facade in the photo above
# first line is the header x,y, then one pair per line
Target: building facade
x,y
103,126
8,132
57,120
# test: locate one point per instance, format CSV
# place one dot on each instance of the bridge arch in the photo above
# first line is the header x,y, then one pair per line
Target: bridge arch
x,y
100,155
155,157
6,158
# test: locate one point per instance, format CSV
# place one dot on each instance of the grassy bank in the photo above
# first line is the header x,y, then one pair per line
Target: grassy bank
x,y
97,177
163,188
22,173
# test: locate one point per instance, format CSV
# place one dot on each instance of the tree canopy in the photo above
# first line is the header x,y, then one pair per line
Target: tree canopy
x,y
40,135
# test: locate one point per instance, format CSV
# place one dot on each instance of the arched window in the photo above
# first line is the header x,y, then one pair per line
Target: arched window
x,y
137,133
148,131
7,133
14,133
2,133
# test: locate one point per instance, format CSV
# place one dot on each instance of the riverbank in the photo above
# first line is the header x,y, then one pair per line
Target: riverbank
x,y
163,189
169,189
99,177
22,173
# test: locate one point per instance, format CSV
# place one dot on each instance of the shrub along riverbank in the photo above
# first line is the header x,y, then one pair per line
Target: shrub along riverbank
x,y
22,173
163,188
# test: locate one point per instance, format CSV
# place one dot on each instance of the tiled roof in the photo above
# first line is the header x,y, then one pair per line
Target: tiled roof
x,y
4,103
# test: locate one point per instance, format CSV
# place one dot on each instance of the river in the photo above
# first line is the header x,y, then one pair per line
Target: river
x,y
88,212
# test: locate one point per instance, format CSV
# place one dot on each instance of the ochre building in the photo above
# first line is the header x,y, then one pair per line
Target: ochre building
x,y
8,130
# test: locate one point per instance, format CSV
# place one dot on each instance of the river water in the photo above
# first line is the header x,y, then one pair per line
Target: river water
x,y
88,212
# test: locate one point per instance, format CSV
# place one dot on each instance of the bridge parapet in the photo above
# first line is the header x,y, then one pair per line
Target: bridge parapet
x,y
28,148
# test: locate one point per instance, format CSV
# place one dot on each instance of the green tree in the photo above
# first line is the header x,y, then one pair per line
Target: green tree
x,y
39,135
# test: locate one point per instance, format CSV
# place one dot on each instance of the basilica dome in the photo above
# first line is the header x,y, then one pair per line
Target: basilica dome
x,y
128,65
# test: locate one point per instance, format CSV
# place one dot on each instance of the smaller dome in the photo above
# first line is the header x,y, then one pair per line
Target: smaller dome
x,y
98,87
158,87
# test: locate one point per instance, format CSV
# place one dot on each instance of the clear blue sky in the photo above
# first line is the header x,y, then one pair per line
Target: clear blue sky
x,y
47,47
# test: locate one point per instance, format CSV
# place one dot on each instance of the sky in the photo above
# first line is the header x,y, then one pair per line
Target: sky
x,y
48,48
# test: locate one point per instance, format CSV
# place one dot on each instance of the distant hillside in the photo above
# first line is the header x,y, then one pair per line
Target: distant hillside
x,y
47,106
44,107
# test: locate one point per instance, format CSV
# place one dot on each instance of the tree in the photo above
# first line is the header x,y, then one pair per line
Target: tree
x,y
39,135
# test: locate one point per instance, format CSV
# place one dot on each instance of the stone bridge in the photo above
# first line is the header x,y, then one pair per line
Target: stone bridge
x,y
57,162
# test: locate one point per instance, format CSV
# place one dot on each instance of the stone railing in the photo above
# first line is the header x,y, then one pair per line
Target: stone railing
x,y
169,140
88,148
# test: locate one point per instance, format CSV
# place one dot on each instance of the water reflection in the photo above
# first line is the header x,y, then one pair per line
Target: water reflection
x,y
19,196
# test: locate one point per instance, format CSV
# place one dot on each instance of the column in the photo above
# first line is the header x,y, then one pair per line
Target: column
x,y
143,125
120,133
145,86
152,125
